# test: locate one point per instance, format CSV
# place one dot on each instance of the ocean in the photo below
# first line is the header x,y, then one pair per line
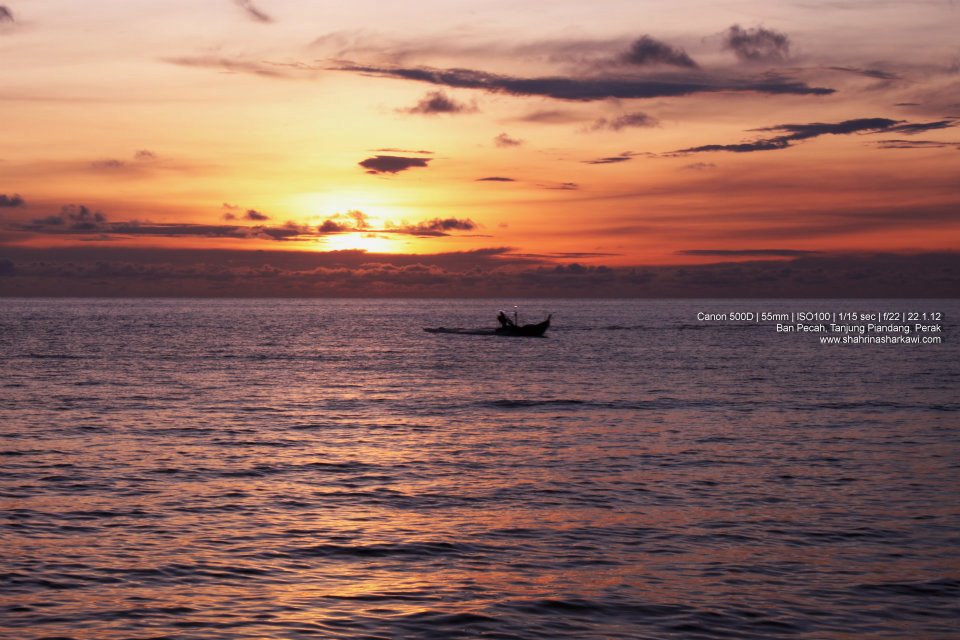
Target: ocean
x,y
326,469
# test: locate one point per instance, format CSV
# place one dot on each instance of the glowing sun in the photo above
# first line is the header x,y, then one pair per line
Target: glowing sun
x,y
371,242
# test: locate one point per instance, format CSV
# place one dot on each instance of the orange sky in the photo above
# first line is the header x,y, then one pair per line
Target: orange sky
x,y
620,133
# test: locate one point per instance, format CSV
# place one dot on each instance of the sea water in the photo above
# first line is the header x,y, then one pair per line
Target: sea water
x,y
325,468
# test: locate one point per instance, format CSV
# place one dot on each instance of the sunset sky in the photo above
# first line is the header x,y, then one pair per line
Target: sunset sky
x,y
170,142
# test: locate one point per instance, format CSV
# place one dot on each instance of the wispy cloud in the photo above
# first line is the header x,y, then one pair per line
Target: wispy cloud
x,y
912,128
395,150
649,51
624,121
6,16
551,116
878,74
253,12
81,220
623,157
437,102
699,166
12,201
757,44
256,216
587,88
108,164
752,253
234,65
71,218
915,144
495,179
505,141
435,227
797,132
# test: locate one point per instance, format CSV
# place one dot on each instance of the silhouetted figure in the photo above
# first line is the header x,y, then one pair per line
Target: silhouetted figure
x,y
505,322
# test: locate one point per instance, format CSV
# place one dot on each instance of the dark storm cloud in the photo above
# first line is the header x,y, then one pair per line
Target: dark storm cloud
x,y
773,253
797,132
253,214
437,102
495,179
11,201
585,89
878,74
392,164
625,121
648,51
758,44
252,12
505,141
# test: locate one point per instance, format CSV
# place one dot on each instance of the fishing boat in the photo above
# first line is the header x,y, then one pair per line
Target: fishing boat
x,y
508,327
524,330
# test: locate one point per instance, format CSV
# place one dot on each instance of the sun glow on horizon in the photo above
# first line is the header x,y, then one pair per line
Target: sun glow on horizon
x,y
376,208
370,242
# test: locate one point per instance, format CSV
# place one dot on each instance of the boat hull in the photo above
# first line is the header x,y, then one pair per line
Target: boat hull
x,y
523,331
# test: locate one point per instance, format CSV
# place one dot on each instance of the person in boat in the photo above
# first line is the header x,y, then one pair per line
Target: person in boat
x,y
505,322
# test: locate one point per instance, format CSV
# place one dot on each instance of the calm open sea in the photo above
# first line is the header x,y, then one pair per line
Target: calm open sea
x,y
314,468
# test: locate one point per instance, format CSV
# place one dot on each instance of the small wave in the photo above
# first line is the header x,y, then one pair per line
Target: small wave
x,y
382,550
943,588
521,404
590,607
653,404
262,470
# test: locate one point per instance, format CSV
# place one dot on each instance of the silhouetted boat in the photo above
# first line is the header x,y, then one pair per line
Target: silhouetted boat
x,y
511,330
